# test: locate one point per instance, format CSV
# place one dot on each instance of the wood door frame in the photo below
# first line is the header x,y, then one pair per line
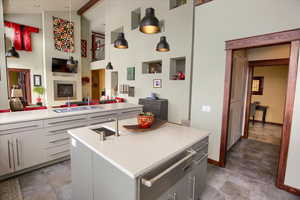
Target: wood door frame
x,y
27,82
251,65
292,37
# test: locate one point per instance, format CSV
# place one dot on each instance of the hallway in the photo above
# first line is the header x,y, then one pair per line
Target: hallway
x,y
250,174
267,133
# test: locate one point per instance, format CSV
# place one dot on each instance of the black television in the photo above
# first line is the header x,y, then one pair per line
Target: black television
x,y
60,65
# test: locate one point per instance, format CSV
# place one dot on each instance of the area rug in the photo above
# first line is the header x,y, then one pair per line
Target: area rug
x,y
10,190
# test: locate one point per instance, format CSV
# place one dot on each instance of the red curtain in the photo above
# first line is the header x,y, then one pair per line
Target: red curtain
x,y
22,35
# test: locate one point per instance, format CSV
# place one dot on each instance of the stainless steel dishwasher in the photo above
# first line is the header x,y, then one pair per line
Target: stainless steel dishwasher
x,y
180,178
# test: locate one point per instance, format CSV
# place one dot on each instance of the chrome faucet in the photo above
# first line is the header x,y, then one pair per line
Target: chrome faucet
x,y
69,103
117,134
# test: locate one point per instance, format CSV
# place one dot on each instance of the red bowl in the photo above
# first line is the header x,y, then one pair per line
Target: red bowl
x,y
145,121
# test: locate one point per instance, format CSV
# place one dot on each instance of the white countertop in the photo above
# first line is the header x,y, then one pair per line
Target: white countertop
x,y
23,116
137,153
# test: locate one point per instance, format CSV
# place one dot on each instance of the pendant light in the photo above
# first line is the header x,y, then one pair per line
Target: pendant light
x,y
121,42
109,66
150,24
71,63
12,53
163,45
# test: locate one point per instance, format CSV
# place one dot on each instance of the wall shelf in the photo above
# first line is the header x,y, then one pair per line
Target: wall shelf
x,y
177,65
152,67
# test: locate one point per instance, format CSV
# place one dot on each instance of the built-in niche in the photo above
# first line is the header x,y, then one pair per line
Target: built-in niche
x,y
177,68
114,34
176,3
135,18
131,73
152,67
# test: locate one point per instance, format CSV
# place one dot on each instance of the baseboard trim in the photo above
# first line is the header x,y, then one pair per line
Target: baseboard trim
x,y
272,123
214,162
288,189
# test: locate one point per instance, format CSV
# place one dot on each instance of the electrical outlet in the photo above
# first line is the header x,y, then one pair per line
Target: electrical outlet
x,y
206,108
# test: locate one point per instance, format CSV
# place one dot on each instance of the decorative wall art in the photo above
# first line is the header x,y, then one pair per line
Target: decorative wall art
x,y
83,48
157,83
131,73
37,80
63,35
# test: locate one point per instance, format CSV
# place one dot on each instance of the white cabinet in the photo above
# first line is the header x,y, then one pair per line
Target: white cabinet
x,y
6,155
19,151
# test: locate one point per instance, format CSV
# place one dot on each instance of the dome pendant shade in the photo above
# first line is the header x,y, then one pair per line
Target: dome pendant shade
x,y
163,45
149,24
121,42
109,66
12,53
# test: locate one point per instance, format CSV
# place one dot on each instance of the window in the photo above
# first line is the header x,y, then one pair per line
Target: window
x,y
258,85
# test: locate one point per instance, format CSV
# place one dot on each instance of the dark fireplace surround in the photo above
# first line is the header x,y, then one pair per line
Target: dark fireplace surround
x,y
64,90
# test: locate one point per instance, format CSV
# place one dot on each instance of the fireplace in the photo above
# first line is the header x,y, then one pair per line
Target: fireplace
x,y
64,90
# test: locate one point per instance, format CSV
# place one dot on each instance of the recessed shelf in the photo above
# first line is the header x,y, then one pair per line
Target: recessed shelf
x,y
135,18
177,68
114,34
152,67
176,3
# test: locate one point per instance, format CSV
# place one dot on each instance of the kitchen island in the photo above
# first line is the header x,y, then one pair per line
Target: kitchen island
x,y
162,164
34,139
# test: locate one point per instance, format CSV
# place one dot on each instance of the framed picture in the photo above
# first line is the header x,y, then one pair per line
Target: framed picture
x,y
131,73
83,48
258,85
157,83
37,80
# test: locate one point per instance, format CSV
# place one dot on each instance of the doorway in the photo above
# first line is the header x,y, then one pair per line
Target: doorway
x,y
98,83
291,37
20,78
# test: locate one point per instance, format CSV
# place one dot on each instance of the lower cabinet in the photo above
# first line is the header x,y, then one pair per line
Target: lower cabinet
x,y
21,150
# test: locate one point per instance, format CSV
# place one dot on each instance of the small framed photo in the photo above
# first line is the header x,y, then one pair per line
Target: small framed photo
x,y
37,80
157,83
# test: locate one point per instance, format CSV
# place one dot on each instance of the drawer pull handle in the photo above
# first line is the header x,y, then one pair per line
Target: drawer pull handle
x,y
55,154
66,121
24,127
60,140
64,130
150,182
204,156
9,153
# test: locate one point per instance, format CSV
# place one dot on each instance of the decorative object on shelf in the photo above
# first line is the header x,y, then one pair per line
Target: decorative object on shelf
x,y
131,73
109,66
131,91
12,53
153,96
40,91
85,80
63,34
83,48
121,42
22,35
150,24
37,80
163,45
124,88
180,76
15,102
145,120
157,83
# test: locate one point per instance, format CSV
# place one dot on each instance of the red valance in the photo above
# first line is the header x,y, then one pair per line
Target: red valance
x,y
22,35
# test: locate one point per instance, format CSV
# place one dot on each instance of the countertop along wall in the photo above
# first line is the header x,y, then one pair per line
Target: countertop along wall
x,y
178,29
28,60
3,80
50,52
222,20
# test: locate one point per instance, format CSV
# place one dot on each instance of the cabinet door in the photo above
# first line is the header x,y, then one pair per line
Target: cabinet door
x,y
198,178
29,149
6,155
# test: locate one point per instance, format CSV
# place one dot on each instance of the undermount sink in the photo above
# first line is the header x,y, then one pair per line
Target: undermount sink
x,y
105,131
74,109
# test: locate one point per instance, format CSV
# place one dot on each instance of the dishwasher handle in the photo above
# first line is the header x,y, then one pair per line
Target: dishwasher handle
x,y
150,182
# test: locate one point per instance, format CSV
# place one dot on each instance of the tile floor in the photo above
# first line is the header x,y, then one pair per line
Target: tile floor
x,y
249,175
265,133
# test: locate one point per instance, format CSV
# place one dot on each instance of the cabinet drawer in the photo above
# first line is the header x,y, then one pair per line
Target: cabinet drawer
x,y
129,114
72,120
98,118
58,151
20,127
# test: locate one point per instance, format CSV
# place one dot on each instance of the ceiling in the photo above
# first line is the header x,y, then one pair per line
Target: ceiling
x,y
96,16
38,6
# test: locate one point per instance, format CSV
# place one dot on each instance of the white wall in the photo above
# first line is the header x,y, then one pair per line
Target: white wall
x,y
3,81
28,60
217,22
50,52
178,29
